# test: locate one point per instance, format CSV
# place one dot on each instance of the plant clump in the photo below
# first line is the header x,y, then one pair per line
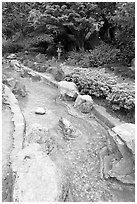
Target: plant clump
x,y
96,82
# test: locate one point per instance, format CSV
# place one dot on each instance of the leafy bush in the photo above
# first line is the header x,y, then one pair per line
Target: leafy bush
x,y
122,96
102,54
9,46
124,20
98,83
79,58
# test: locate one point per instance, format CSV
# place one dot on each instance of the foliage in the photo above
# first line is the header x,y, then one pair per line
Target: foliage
x,y
72,20
36,40
71,23
9,46
122,96
124,19
14,17
101,84
78,58
102,54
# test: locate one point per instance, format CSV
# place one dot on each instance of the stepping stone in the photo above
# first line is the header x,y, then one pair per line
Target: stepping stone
x,y
40,111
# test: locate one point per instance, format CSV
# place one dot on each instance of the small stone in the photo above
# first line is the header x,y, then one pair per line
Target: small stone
x,y
40,111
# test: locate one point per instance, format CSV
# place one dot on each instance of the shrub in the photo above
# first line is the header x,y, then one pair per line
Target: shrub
x,y
11,47
78,58
96,82
122,96
102,54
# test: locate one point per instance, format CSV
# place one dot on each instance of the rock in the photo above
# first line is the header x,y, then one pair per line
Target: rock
x,y
30,64
4,79
25,62
11,56
126,132
11,82
40,111
84,103
19,89
24,73
123,168
123,171
35,77
68,90
38,179
26,52
69,132
15,64
39,134
57,73
4,61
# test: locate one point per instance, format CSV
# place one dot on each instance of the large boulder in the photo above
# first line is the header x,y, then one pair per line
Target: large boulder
x,y
68,90
126,132
37,178
84,103
124,167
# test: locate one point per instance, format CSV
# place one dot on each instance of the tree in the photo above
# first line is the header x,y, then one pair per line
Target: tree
x,y
74,21
15,17
124,19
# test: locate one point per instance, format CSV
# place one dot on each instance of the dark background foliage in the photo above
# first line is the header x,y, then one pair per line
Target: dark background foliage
x,y
79,26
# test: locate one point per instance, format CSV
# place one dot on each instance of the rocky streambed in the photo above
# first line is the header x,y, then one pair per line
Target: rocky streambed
x,y
77,157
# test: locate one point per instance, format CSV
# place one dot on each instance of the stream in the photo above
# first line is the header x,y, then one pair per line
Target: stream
x,y
79,157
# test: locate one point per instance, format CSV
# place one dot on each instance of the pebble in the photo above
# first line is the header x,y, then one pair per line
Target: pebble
x,y
40,111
